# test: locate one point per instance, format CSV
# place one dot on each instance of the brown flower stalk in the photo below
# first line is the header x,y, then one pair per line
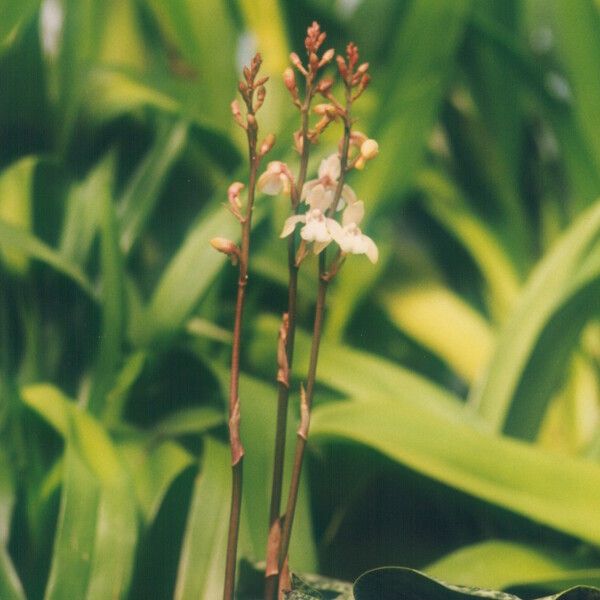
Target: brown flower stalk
x,y
253,92
355,81
304,137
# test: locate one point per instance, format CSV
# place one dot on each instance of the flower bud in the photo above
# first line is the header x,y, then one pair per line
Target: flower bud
x,y
325,85
342,68
226,247
233,193
237,114
289,79
297,63
267,144
325,109
261,92
327,57
369,149
362,69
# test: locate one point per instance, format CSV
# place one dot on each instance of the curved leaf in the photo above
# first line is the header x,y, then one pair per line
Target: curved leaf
x,y
97,529
443,323
498,564
10,586
29,245
202,562
189,274
16,191
397,583
502,471
554,281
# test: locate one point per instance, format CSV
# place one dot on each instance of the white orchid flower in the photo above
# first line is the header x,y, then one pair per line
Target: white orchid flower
x,y
276,179
329,173
348,235
316,225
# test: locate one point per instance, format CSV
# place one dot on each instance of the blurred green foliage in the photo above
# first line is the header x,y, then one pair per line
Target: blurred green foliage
x,y
457,420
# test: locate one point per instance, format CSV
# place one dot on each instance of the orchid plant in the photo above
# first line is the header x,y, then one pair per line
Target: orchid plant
x,y
329,213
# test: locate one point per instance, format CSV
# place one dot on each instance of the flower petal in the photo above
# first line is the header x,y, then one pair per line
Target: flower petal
x,y
270,183
372,250
336,231
330,167
354,213
306,189
319,198
348,196
318,247
290,224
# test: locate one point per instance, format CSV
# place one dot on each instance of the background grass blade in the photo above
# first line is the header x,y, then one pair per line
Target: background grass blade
x,y
97,528
189,274
541,299
142,192
201,564
10,585
29,245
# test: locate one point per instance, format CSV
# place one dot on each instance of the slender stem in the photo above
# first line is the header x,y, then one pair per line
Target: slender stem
x,y
273,547
306,407
307,399
237,449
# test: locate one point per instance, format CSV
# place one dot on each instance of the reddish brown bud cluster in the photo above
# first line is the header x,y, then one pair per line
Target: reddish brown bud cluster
x,y
314,38
253,92
353,77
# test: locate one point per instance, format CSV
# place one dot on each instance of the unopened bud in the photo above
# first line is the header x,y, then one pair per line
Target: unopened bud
x,y
362,69
237,114
369,149
297,63
261,92
342,68
226,247
233,193
298,141
327,57
325,85
289,79
313,60
267,144
251,119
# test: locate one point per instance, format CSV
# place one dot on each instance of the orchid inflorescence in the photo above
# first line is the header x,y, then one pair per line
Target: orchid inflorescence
x,y
329,212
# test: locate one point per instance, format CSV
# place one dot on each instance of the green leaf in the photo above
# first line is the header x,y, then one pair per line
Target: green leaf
x,y
204,35
202,562
16,193
366,377
444,203
114,312
197,419
553,307
31,246
84,211
14,15
10,586
577,27
415,90
403,427
97,528
189,274
258,437
143,190
498,564
397,583
153,468
443,323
